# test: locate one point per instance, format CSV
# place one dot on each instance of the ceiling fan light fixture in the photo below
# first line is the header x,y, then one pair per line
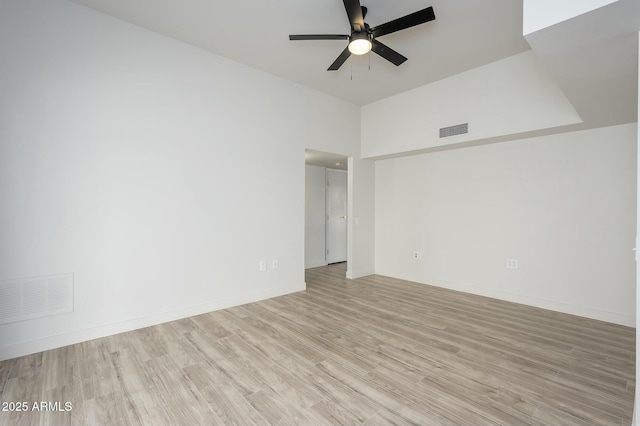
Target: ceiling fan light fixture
x,y
359,43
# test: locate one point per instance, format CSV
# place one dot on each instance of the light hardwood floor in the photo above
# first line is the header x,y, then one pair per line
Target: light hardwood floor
x,y
369,351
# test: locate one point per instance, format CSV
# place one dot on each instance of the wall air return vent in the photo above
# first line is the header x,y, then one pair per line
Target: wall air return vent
x,y
458,129
35,297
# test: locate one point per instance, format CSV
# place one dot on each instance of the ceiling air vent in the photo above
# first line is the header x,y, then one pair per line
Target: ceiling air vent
x,y
458,129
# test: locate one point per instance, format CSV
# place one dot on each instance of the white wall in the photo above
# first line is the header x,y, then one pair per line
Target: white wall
x,y
506,97
637,301
157,173
314,235
564,206
539,14
361,218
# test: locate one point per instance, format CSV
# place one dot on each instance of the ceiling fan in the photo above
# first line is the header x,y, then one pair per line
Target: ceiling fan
x,y
364,38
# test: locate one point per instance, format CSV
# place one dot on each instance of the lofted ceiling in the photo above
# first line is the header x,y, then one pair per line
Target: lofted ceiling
x,y
466,34
593,57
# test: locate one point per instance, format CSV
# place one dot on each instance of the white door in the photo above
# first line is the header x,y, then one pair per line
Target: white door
x,y
336,229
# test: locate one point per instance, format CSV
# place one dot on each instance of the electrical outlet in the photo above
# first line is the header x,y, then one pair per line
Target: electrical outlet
x,y
263,266
274,264
417,255
512,263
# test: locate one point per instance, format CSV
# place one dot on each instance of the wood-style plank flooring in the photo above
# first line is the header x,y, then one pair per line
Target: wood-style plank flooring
x,y
370,351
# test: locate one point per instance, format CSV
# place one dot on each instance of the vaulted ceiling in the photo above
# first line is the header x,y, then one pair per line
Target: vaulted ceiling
x,y
466,34
592,57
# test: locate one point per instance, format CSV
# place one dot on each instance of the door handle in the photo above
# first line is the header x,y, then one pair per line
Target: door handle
x,y
342,217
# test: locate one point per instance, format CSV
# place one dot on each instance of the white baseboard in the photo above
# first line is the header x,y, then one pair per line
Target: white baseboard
x,y
14,350
315,263
353,274
552,305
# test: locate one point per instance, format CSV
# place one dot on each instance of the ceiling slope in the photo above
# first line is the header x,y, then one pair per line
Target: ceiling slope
x,y
466,34
594,59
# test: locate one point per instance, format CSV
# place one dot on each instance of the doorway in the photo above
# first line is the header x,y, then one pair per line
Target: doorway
x,y
326,181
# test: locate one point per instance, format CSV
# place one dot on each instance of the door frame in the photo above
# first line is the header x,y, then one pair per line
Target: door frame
x,y
325,161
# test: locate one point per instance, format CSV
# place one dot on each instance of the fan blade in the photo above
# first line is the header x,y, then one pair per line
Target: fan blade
x,y
340,60
408,21
354,13
318,37
388,53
